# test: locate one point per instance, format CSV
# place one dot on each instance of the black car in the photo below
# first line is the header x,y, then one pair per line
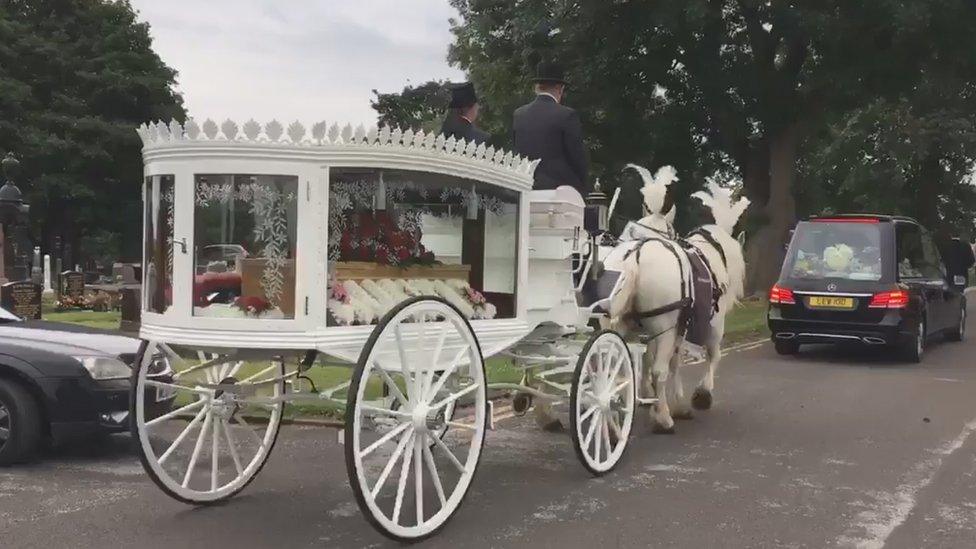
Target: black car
x,y
60,381
870,279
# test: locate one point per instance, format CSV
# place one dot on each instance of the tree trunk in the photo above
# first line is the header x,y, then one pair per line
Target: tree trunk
x,y
766,249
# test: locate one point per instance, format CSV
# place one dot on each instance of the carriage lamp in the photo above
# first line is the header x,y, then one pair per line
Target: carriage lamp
x,y
596,210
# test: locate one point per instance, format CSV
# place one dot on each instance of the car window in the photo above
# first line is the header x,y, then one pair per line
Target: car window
x,y
842,250
933,266
911,257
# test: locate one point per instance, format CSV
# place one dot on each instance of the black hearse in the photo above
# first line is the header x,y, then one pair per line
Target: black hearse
x,y
870,279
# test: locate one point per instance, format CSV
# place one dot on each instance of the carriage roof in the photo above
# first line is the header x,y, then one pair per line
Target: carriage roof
x,y
384,147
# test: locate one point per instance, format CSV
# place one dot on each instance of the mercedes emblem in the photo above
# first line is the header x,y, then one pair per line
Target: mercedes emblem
x,y
831,287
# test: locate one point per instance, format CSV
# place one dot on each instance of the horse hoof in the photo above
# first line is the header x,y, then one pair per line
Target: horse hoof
x,y
662,430
702,399
683,415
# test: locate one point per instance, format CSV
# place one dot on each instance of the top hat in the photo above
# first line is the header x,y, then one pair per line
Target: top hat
x,y
462,95
549,73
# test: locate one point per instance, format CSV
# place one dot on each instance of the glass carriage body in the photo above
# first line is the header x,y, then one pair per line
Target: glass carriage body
x,y
263,241
408,257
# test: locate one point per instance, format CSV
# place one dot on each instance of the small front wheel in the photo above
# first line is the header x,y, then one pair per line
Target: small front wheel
x,y
601,402
409,474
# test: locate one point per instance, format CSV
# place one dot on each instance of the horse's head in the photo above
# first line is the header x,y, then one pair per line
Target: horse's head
x,y
725,210
655,192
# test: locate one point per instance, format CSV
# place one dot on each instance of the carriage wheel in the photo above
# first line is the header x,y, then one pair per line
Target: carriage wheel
x,y
407,479
601,402
198,442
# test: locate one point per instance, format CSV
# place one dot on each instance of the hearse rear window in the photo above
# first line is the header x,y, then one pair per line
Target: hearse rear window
x,y
844,250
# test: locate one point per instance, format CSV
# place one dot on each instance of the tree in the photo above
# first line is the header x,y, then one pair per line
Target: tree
x,y
76,78
734,85
416,107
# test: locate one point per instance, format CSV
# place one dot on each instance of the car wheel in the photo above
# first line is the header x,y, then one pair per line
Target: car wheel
x,y
913,347
959,331
20,423
786,347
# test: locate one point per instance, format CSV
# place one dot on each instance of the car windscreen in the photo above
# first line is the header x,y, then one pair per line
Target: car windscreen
x,y
841,250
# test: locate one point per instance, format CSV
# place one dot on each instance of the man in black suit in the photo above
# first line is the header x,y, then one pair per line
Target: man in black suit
x,y
462,114
545,129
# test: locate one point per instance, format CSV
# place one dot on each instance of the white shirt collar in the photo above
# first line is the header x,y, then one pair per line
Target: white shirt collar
x,y
549,94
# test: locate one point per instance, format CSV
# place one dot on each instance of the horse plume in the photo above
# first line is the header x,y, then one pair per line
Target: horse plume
x,y
725,211
655,187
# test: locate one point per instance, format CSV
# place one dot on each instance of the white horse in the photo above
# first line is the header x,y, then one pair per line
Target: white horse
x,y
653,280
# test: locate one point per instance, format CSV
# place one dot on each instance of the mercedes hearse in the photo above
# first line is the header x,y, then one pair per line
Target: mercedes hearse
x,y
876,280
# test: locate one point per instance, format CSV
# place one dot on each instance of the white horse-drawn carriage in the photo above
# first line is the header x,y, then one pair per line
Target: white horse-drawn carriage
x,y
279,260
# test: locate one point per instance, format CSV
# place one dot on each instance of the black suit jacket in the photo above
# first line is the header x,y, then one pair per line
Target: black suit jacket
x,y
460,128
546,130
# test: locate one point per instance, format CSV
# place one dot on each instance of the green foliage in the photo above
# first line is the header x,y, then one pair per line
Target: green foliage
x,y
76,78
742,87
416,107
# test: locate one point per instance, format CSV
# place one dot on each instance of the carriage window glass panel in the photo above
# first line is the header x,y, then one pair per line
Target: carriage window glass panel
x,y
394,234
840,250
244,246
158,244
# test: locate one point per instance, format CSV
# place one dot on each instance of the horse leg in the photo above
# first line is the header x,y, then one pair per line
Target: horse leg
x,y
681,408
661,412
702,398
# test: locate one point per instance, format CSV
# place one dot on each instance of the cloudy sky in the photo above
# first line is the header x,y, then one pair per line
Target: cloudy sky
x,y
302,59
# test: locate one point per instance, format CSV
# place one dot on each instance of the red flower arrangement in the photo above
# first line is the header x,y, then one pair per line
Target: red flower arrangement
x,y
376,237
252,304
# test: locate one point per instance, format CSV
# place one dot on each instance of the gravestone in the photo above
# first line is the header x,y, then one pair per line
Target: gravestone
x,y
22,299
72,284
131,309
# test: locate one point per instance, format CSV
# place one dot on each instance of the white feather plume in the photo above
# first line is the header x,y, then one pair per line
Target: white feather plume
x,y
725,210
655,187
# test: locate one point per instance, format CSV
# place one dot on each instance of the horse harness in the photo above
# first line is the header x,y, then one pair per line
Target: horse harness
x,y
676,245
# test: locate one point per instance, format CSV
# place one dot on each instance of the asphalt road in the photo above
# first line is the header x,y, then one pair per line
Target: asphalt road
x,y
828,449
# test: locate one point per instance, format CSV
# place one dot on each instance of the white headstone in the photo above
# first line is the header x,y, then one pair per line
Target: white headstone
x,y
47,275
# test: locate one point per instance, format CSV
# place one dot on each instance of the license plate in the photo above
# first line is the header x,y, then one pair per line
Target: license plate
x,y
827,302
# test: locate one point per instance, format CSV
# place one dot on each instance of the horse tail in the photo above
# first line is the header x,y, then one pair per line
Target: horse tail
x,y
622,302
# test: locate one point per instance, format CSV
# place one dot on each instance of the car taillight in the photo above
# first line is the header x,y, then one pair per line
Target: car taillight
x,y
780,295
895,299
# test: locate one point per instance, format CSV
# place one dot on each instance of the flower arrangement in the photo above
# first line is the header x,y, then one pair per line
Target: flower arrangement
x,y
376,237
67,302
358,303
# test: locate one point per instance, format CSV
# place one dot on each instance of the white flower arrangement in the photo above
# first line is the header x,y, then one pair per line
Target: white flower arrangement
x,y
226,310
454,298
367,309
371,299
377,292
483,310
344,313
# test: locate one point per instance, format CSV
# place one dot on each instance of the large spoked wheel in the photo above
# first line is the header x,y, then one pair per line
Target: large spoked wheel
x,y
206,424
601,402
425,354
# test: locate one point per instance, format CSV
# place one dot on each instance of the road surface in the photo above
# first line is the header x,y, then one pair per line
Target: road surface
x,y
828,449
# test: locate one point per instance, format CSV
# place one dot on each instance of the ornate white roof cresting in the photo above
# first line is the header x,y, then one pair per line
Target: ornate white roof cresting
x,y
162,135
